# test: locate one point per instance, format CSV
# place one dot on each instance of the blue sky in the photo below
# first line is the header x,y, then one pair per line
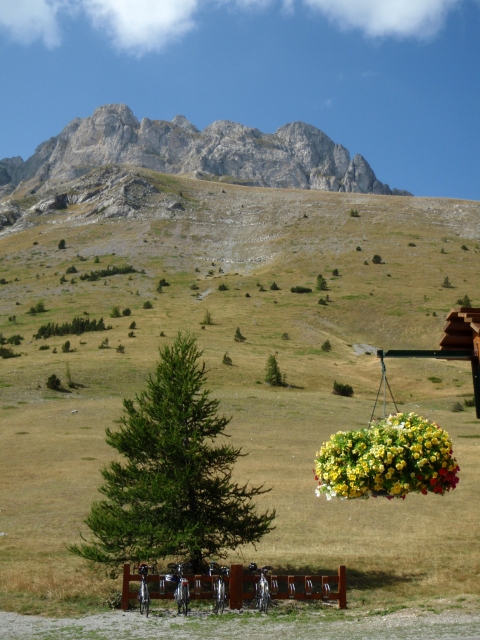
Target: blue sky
x,y
395,80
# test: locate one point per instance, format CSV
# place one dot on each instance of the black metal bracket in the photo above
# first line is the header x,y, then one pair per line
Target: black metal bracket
x,y
447,354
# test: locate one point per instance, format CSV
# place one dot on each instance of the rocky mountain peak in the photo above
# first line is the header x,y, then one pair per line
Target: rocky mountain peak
x,y
297,155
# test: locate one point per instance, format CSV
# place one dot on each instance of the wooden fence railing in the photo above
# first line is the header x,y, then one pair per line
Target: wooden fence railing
x,y
241,586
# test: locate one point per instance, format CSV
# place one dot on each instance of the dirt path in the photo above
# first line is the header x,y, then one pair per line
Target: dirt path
x,y
120,626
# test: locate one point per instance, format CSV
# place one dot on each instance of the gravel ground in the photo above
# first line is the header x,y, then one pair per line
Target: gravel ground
x,y
130,625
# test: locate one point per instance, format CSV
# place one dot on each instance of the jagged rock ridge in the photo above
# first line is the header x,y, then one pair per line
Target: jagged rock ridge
x,y
298,155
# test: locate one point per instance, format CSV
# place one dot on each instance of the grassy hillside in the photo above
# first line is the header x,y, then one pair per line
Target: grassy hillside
x,y
52,442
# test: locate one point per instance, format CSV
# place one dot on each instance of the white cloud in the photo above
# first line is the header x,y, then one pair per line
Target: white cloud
x,y
29,20
419,18
140,26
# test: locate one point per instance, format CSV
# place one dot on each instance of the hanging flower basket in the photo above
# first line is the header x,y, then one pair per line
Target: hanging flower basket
x,y
401,454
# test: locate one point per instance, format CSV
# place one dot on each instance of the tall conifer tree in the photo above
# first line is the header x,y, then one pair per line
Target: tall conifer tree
x,y
172,494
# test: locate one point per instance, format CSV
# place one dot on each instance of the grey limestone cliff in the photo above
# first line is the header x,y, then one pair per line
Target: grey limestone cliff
x,y
298,155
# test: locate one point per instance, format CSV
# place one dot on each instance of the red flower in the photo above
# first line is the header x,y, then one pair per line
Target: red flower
x,y
433,481
442,472
424,491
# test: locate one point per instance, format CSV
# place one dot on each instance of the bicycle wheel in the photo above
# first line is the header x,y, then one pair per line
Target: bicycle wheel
x,y
185,600
221,597
265,600
178,598
216,590
146,601
141,599
259,598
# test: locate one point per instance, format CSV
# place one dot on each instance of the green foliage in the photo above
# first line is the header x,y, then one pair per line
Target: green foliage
x,y
238,336
97,260
464,247
66,347
227,359
335,272
172,493
457,407
3,281
207,318
341,389
104,344
274,286
72,269
222,287
63,280
247,295
322,301
469,402
54,382
43,347
127,312
446,283
77,326
326,346
194,286
412,244
62,244
68,375
12,319
365,262
133,325
116,313
442,250
435,379
377,259
6,353
93,276
262,288
147,305
354,213
272,372
465,302
358,248
163,283
15,339
285,336
38,308
321,283
131,334
300,289
120,349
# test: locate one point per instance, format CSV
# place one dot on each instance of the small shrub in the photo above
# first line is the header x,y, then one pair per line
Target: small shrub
x,y
72,269
97,260
412,244
197,270
377,259
70,382
62,244
54,382
226,359
322,301
127,312
285,336
341,389
247,295
465,302
358,248
194,286
63,280
321,283
469,402
274,286
162,334
238,336
335,272
435,379
120,349
442,250
446,283
464,247
132,334
43,347
133,325
12,319
300,289
104,344
326,346
6,353
116,313
3,281
207,319
354,213
272,373
365,262
38,308
81,258
66,347
457,407
262,288
222,287
54,350
147,305
163,283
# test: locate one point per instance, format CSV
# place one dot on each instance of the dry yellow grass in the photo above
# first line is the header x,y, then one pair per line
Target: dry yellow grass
x,y
50,457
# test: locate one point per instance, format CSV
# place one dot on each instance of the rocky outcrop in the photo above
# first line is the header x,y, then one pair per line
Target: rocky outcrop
x,y
298,155
10,212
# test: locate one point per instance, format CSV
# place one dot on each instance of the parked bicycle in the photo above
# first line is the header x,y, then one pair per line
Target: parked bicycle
x,y
144,596
219,592
182,592
262,589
